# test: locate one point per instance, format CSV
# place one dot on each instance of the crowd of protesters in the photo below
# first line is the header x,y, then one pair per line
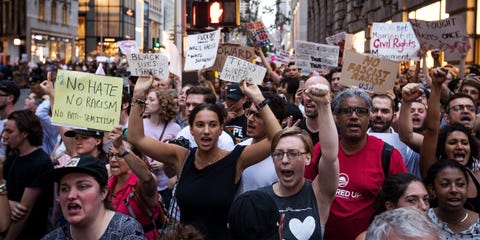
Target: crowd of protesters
x,y
298,157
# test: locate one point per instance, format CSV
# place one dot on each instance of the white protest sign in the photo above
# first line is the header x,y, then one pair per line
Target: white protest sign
x,y
237,70
395,41
128,46
143,64
202,50
282,56
448,35
314,56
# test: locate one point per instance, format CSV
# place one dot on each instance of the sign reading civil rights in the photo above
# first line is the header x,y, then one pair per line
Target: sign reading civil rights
x,y
368,72
86,100
257,33
448,35
144,64
314,56
239,51
237,70
395,41
202,50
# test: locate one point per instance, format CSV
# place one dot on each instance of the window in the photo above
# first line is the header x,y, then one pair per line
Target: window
x,y
54,12
41,9
64,14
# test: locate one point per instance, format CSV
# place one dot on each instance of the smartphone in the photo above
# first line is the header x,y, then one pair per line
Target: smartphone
x,y
302,84
106,146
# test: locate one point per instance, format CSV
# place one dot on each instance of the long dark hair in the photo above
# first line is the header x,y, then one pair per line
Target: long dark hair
x,y
442,138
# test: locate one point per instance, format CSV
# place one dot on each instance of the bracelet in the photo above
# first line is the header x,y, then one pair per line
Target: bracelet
x,y
139,101
3,188
262,103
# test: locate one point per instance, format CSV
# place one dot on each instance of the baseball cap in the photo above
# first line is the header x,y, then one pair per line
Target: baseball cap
x,y
234,92
254,215
87,132
82,164
10,87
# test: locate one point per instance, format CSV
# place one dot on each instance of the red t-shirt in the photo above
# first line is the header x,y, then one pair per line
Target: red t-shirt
x,y
361,177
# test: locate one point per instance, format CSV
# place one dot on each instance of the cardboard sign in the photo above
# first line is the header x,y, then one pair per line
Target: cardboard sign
x,y
86,100
257,33
128,46
448,35
314,56
237,70
395,41
143,64
202,50
239,51
367,72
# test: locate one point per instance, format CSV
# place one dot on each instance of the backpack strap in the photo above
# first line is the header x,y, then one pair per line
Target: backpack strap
x,y
386,155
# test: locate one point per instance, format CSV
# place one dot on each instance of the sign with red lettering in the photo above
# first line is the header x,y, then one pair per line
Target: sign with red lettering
x,y
448,35
395,41
368,72
257,33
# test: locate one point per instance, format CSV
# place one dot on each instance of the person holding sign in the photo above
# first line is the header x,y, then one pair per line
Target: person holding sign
x,y
209,176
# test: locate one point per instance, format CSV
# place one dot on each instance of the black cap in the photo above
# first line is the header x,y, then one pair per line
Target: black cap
x,y
254,215
82,164
93,133
10,87
234,92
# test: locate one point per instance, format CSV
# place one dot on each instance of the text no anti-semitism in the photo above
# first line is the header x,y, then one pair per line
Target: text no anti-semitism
x,y
314,56
367,72
395,41
86,100
202,50
237,70
448,35
239,51
144,64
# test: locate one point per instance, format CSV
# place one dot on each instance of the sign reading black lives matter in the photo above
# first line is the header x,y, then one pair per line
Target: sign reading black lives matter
x,y
202,50
144,64
314,56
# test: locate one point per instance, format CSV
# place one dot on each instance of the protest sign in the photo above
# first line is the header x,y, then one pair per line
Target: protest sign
x,y
237,70
314,56
202,50
257,33
448,35
128,46
282,56
395,41
86,100
368,72
144,64
239,51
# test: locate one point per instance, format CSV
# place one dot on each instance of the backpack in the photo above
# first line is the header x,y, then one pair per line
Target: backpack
x,y
386,155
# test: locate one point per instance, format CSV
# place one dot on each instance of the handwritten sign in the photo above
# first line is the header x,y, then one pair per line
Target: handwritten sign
x,y
87,100
128,46
448,35
395,41
237,70
367,72
239,51
143,64
314,56
257,33
202,50
282,56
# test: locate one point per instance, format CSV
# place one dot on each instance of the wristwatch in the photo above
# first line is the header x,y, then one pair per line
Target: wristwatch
x,y
3,187
124,153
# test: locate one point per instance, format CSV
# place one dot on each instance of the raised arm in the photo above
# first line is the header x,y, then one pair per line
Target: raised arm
x,y
273,75
148,181
432,124
414,140
168,153
326,182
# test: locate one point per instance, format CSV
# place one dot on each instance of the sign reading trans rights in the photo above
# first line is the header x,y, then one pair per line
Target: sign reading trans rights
x,y
86,100
395,41
237,70
314,56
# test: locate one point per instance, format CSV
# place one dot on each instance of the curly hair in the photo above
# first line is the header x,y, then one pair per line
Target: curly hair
x,y
168,107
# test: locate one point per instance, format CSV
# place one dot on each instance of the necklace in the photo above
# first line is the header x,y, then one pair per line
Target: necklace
x,y
464,218
205,162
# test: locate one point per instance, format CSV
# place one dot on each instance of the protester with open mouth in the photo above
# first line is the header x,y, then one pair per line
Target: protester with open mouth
x,y
209,176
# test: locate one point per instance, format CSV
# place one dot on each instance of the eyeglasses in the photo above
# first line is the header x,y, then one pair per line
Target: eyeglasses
x,y
110,155
460,107
256,115
360,111
291,155
4,94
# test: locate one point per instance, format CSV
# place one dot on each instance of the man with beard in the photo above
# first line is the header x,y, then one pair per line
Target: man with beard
x,y
263,173
381,119
361,168
9,93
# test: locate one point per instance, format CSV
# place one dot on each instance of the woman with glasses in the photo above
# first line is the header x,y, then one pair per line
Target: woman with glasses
x,y
306,203
209,176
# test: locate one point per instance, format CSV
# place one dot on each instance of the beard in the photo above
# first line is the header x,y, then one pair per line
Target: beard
x,y
380,129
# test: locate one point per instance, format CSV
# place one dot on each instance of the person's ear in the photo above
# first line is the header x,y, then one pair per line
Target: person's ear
x,y
389,205
105,193
308,159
